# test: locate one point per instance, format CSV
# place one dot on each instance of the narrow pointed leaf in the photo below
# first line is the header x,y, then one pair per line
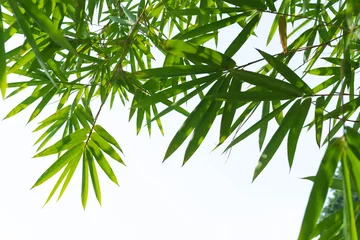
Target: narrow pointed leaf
x,y
101,160
322,182
106,147
289,74
67,142
267,82
319,119
243,36
93,175
73,153
295,130
198,53
107,136
277,138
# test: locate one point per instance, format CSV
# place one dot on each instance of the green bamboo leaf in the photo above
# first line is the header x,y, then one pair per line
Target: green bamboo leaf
x,y
186,98
93,175
85,181
36,94
203,127
106,147
58,115
263,129
44,102
326,84
175,71
251,96
28,33
336,184
254,4
325,71
67,142
229,111
204,11
198,31
257,125
287,73
243,36
323,181
296,128
350,231
198,53
173,91
46,24
277,138
345,108
267,82
73,165
58,182
101,160
191,121
319,119
3,82
72,154
105,135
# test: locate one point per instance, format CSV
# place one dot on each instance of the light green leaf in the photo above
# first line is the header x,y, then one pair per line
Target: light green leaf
x,y
85,180
323,181
93,175
198,53
106,147
101,160
175,71
67,142
105,135
277,138
72,154
191,33
46,24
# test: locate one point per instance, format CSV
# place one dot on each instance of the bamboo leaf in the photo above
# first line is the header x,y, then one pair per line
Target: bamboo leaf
x,y
296,128
74,139
205,124
257,125
323,181
284,70
319,119
71,155
267,82
106,147
107,136
283,33
175,71
191,121
46,24
101,160
277,138
198,53
27,32
243,36
85,181
93,175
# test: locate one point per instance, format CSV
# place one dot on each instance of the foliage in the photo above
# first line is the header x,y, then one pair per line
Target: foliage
x,y
77,51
